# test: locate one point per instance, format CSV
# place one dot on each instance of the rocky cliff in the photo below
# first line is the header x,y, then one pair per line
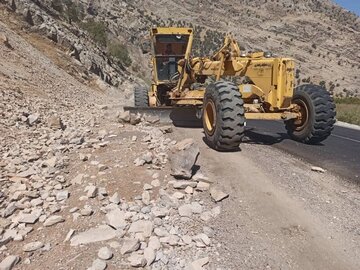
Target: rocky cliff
x,y
107,37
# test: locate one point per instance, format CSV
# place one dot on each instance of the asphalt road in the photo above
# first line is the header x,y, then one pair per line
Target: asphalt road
x,y
339,154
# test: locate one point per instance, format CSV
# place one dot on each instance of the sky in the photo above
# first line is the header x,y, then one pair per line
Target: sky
x,y
352,5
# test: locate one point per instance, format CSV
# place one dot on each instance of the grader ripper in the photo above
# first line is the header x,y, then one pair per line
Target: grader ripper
x,y
231,86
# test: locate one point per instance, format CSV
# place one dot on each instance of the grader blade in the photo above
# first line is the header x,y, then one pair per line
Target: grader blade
x,y
178,116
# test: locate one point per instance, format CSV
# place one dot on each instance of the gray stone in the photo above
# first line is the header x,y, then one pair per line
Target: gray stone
x,y
183,184
102,233
185,210
51,162
196,208
91,191
198,264
86,211
33,118
137,260
105,253
148,187
203,186
116,219
160,212
9,262
217,194
52,220
200,177
98,265
142,226
130,245
10,209
124,117
155,183
33,246
62,195
154,243
55,122
145,197
318,169
69,235
183,158
115,198
149,255
29,218
78,179
189,190
27,173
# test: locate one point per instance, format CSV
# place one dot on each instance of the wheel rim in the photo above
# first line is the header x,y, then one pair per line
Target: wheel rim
x,y
210,117
301,122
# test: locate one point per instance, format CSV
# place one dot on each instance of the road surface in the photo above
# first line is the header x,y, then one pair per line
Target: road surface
x,y
339,154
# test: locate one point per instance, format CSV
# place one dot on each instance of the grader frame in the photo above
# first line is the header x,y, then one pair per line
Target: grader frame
x,y
265,91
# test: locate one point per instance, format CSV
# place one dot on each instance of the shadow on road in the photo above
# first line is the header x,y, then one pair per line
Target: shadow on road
x,y
253,136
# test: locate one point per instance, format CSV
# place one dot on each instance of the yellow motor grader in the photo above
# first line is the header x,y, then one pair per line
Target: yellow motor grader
x,y
231,86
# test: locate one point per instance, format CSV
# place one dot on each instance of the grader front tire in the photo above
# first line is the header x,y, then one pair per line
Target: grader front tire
x,y
141,96
318,115
223,116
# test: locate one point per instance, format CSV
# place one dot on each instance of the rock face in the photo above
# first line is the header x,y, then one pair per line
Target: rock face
x,y
183,157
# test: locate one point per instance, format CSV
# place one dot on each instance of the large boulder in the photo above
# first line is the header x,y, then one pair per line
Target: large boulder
x,y
183,158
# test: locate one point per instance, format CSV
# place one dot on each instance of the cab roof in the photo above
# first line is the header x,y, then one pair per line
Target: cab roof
x,y
171,31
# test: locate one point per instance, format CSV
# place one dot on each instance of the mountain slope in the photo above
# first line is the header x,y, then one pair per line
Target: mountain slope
x,y
323,37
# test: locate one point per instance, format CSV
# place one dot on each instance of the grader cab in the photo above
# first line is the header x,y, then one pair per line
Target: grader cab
x,y
231,86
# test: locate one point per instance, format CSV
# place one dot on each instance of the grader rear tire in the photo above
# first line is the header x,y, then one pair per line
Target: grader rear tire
x,y
141,96
318,115
223,116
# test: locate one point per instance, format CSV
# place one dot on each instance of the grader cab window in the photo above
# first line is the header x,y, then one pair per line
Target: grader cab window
x,y
169,49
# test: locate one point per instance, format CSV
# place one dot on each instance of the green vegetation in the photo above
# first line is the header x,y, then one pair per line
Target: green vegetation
x,y
119,53
73,12
348,110
97,31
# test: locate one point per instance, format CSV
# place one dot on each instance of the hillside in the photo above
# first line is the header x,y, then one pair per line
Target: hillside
x,y
323,37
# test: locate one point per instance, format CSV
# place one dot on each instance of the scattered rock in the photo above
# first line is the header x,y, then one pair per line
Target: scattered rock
x,y
69,235
102,233
183,157
52,220
91,191
185,210
130,245
29,218
198,264
149,255
183,184
105,253
218,195
33,118
33,246
137,260
98,265
143,226
115,198
62,195
116,219
55,122
9,262
145,197
203,186
318,169
152,119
